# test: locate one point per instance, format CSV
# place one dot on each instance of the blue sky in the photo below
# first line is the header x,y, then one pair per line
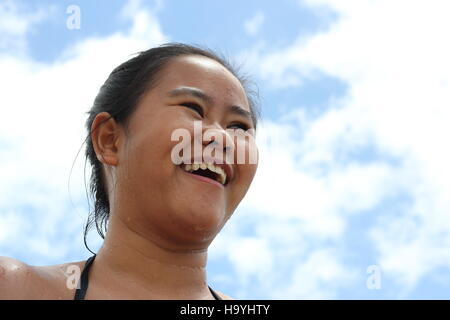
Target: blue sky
x,y
355,110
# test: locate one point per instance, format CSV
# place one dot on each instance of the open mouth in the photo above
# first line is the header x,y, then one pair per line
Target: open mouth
x,y
207,170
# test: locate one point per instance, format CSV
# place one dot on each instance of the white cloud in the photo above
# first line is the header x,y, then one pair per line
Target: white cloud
x,y
394,58
145,24
318,277
261,261
16,23
253,25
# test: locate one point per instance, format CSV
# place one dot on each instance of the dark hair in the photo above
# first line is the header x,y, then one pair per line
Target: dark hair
x,y
119,96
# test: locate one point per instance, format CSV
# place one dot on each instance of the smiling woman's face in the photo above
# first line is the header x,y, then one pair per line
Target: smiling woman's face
x,y
154,196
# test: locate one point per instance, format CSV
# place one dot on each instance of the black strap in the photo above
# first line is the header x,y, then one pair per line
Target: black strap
x,y
215,295
84,282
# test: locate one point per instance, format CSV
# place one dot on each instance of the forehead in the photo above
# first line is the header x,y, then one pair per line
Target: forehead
x,y
205,74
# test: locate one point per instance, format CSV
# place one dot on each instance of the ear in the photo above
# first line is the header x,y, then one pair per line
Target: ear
x,y
105,134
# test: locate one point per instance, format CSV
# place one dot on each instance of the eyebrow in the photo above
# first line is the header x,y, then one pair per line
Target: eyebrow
x,y
189,91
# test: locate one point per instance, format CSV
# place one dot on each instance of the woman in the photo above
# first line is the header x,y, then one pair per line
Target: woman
x,y
161,215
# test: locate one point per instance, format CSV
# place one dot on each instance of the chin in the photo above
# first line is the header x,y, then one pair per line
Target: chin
x,y
202,224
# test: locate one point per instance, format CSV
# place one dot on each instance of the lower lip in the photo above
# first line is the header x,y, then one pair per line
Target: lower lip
x,y
204,179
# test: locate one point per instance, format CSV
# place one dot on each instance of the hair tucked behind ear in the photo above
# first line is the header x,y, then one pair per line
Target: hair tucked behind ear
x,y
119,96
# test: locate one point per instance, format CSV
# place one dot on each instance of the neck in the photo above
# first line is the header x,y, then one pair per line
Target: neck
x,y
134,264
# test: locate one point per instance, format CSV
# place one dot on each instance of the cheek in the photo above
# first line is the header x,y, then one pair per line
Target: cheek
x,y
147,156
156,142
248,173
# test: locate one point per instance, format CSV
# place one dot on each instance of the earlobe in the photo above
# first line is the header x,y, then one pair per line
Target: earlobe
x,y
110,160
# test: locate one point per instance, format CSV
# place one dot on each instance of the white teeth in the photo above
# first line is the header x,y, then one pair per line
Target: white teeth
x,y
222,176
220,171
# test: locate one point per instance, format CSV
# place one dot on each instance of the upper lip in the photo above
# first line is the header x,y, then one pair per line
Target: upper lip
x,y
228,168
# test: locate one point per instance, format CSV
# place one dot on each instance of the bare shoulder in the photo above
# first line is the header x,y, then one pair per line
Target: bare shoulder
x,y
20,281
15,275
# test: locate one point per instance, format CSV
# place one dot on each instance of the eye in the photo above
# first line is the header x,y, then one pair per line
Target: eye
x,y
240,125
194,106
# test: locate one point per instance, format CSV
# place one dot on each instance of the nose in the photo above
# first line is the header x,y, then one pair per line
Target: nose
x,y
217,137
